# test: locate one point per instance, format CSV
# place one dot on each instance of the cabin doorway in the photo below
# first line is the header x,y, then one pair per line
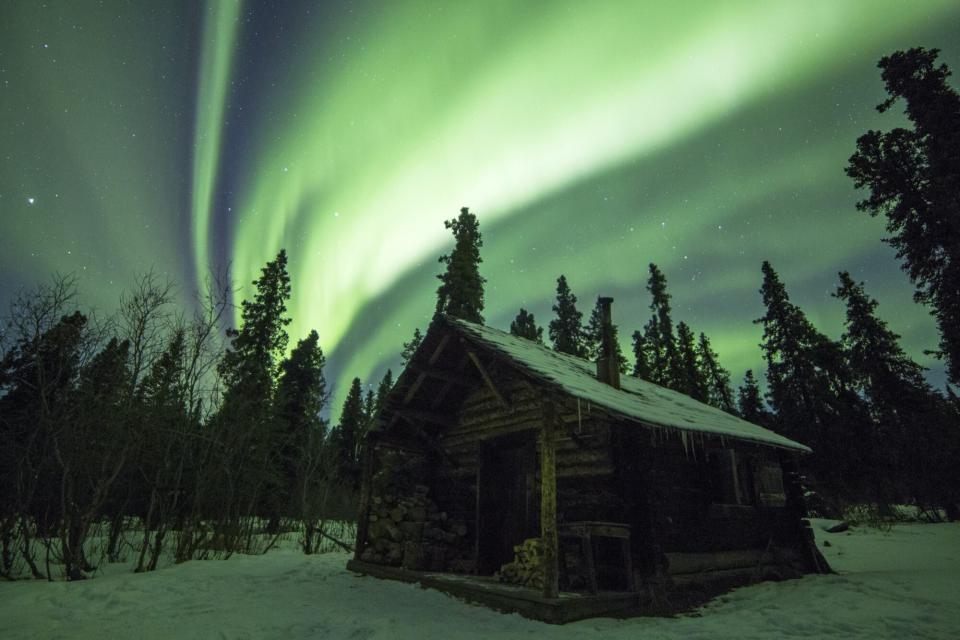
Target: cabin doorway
x,y
507,501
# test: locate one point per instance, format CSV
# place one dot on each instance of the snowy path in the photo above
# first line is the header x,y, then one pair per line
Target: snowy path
x,y
902,584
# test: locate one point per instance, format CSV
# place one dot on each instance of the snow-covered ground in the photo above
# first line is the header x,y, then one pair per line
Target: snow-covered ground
x,y
900,584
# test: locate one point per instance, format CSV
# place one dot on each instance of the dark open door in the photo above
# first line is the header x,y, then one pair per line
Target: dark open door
x,y
506,501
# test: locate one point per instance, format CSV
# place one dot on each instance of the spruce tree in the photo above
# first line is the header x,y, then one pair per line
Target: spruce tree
x,y
750,402
593,337
164,417
654,350
525,326
302,387
37,399
810,389
369,409
689,378
410,348
566,331
249,366
384,388
347,436
665,365
247,422
641,357
914,180
715,376
94,449
461,290
902,404
301,396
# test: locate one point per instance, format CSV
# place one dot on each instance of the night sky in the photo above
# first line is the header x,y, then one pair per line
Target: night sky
x,y
590,139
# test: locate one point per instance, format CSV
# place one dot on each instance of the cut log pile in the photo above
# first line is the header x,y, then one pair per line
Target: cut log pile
x,y
413,533
527,566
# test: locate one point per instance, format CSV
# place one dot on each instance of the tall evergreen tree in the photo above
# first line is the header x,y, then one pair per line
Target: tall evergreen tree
x,y
716,377
164,417
750,401
689,378
914,180
246,421
37,398
94,449
566,330
249,366
384,388
593,337
664,363
641,357
905,444
810,389
301,396
461,290
410,348
525,326
302,387
347,437
651,341
369,409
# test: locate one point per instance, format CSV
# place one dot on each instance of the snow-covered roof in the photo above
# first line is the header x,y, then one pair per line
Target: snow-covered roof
x,y
636,400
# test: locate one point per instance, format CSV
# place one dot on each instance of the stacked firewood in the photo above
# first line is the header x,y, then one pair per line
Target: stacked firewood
x,y
413,533
527,566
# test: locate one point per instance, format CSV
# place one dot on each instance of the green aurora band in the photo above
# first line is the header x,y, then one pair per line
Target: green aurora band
x,y
590,138
496,105
219,40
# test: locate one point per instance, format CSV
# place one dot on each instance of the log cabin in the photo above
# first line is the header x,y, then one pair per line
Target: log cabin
x,y
620,494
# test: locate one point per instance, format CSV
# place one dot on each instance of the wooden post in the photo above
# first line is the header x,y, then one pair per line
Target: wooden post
x,y
548,499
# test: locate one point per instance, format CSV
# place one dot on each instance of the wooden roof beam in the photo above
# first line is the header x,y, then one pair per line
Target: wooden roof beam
x,y
412,391
489,382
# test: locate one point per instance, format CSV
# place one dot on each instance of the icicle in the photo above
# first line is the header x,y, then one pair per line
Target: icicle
x,y
683,439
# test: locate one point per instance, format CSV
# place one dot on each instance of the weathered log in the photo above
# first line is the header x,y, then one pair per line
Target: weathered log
x,y
340,543
456,442
585,471
684,563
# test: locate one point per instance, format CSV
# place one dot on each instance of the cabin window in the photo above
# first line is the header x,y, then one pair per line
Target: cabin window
x,y
731,478
770,492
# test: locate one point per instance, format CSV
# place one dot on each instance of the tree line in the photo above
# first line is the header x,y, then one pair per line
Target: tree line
x,y
208,441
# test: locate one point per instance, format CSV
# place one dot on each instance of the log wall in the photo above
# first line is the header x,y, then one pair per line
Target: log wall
x,y
672,490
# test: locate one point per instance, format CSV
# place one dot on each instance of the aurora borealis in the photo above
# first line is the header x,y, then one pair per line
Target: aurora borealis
x,y
590,139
